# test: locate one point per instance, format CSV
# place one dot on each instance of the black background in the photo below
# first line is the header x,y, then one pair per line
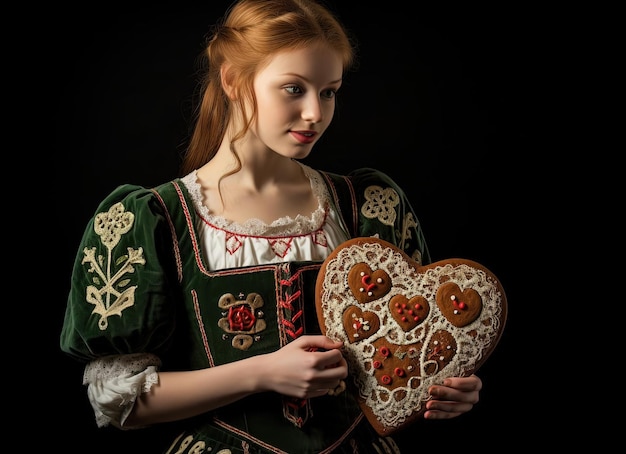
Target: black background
x,y
440,101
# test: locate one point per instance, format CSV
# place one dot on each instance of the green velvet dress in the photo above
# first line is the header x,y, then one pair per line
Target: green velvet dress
x,y
141,284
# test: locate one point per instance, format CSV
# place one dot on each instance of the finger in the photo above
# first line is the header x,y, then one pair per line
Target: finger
x,y
471,383
444,393
446,410
331,359
435,414
318,342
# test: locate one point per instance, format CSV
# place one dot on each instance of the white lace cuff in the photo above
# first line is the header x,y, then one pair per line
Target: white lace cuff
x,y
115,381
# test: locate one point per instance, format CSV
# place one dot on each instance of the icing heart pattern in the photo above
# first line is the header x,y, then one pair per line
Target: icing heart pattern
x,y
367,285
405,326
408,313
359,324
460,307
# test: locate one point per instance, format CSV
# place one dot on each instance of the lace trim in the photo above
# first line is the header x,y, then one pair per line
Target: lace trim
x,y
115,381
110,367
285,226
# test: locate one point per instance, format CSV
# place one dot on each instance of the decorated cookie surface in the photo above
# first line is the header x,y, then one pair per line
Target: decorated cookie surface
x,y
404,326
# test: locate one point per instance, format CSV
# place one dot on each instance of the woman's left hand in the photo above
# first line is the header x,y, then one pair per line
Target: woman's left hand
x,y
457,395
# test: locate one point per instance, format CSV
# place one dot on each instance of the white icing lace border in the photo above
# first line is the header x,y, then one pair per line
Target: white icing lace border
x,y
473,338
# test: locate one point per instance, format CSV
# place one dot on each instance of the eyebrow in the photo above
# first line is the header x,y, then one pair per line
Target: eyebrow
x,y
306,79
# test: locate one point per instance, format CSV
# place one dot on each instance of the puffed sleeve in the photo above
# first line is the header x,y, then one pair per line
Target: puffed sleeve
x,y
123,285
384,211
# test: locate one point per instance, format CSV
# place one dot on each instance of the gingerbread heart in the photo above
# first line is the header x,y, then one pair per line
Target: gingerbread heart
x,y
422,324
460,307
408,313
367,285
359,324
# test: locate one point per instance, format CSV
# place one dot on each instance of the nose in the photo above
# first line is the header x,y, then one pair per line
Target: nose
x,y
312,110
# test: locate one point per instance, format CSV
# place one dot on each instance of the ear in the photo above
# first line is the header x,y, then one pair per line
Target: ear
x,y
227,77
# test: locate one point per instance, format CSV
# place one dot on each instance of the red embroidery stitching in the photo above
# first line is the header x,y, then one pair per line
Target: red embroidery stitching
x,y
291,318
281,247
233,243
241,318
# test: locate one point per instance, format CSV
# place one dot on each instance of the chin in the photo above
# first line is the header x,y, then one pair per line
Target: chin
x,y
302,155
297,154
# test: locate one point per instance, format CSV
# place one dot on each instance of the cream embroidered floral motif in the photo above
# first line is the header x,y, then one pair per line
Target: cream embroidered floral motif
x,y
408,223
380,203
243,318
109,295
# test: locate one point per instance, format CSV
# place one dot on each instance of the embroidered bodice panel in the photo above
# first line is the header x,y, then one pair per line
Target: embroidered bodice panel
x,y
228,244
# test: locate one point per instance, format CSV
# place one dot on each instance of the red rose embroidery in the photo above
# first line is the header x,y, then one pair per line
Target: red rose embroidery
x,y
241,318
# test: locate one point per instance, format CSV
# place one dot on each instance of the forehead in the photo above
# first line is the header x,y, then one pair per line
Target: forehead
x,y
316,63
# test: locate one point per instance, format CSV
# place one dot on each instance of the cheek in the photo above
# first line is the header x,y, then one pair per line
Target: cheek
x,y
329,112
272,110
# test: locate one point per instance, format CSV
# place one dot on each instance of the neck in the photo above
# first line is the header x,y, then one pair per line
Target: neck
x,y
256,169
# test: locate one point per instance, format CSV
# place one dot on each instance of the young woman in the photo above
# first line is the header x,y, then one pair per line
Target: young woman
x,y
178,298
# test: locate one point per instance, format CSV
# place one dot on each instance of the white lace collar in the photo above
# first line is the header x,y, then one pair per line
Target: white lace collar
x,y
282,226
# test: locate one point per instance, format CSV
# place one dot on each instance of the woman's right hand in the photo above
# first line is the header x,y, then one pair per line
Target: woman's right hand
x,y
307,367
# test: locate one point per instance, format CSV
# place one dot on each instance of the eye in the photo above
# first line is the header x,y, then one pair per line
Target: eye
x,y
329,94
293,90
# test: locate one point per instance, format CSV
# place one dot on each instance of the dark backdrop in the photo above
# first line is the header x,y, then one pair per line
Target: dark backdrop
x,y
440,102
